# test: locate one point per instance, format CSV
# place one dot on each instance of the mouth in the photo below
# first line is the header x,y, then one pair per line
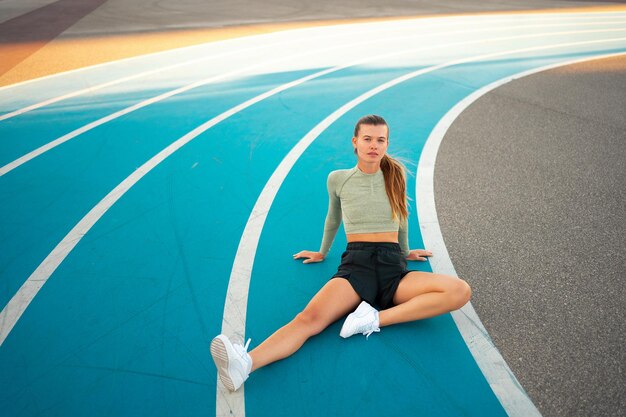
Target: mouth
x,y
373,154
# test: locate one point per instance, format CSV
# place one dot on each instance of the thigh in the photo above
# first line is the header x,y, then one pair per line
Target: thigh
x,y
333,301
419,282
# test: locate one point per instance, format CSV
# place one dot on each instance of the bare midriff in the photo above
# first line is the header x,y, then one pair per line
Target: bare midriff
x,y
373,237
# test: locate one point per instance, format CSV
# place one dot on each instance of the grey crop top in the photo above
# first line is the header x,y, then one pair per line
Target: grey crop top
x,y
361,200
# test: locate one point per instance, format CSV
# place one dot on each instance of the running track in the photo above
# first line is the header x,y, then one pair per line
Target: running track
x,y
154,197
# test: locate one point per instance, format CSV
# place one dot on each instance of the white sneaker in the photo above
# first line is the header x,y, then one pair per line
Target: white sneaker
x,y
363,320
232,361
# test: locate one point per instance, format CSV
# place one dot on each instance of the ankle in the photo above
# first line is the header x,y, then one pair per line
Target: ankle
x,y
382,319
254,362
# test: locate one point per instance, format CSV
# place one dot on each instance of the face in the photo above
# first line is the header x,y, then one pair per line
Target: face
x,y
371,144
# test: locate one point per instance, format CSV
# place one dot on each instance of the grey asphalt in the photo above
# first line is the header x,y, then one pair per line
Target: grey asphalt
x,y
530,188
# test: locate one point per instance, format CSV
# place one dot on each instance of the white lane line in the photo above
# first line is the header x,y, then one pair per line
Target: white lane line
x,y
114,82
498,374
236,303
131,77
455,20
234,51
182,49
20,301
50,145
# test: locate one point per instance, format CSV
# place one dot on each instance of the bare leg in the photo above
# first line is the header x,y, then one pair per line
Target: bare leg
x,y
423,294
336,299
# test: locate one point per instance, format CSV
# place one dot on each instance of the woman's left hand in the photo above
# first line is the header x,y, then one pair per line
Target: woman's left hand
x,y
418,255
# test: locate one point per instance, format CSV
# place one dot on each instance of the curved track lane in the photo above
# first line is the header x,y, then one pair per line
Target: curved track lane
x,y
136,301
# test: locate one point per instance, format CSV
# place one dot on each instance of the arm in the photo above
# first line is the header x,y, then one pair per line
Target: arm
x,y
333,217
403,237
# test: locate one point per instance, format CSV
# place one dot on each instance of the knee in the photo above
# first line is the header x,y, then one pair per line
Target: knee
x,y
461,293
311,320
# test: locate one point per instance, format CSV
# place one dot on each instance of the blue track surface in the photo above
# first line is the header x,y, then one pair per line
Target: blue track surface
x,y
122,327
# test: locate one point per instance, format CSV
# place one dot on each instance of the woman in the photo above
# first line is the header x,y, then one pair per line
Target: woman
x,y
371,200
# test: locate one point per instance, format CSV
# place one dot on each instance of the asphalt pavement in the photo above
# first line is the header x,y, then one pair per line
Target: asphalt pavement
x,y
530,189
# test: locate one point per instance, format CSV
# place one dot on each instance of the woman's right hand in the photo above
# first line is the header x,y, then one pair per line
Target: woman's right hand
x,y
312,256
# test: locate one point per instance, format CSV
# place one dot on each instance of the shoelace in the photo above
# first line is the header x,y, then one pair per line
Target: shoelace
x,y
371,327
373,330
367,329
242,350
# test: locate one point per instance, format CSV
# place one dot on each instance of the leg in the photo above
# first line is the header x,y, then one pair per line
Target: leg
x,y
424,294
333,301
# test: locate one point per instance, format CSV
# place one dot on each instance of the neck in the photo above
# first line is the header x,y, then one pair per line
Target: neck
x,y
368,168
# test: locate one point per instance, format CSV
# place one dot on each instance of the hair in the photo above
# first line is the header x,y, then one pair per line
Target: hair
x,y
393,171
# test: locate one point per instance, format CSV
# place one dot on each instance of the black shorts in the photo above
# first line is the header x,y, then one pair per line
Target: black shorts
x,y
374,269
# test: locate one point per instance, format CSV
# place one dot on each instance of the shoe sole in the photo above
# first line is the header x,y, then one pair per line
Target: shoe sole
x,y
220,356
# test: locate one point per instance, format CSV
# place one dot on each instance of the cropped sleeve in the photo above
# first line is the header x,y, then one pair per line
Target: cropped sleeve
x,y
333,217
403,237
